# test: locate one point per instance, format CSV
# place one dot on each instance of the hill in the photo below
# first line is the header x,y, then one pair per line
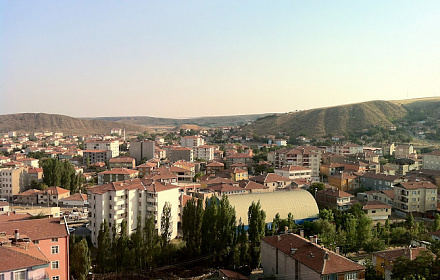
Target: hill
x,y
36,122
201,121
344,119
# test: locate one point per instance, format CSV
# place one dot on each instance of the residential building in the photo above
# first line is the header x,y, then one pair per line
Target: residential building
x,y
181,153
21,259
417,198
76,200
52,239
404,151
214,167
432,160
29,197
377,210
191,141
377,181
383,261
204,152
52,195
108,145
307,156
129,200
142,150
4,207
384,196
116,174
145,168
273,181
239,158
122,162
12,182
299,258
295,172
347,149
331,168
344,181
96,156
334,198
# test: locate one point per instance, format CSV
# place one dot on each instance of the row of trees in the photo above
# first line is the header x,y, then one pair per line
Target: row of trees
x,y
60,173
143,249
212,232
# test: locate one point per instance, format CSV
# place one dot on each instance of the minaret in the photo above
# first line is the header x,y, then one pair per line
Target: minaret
x,y
124,134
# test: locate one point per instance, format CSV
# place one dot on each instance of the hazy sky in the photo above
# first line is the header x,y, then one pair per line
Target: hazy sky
x,y
204,58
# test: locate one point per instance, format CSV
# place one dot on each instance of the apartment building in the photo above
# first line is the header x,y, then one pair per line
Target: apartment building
x,y
191,141
122,162
12,182
417,198
108,145
140,150
431,160
116,174
95,156
347,149
334,198
205,152
379,181
52,239
129,200
181,153
290,256
295,172
307,156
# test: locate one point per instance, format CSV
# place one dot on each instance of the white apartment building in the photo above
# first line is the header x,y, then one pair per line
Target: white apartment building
x,y
295,172
347,149
128,200
205,152
109,145
12,181
432,160
307,156
418,198
191,141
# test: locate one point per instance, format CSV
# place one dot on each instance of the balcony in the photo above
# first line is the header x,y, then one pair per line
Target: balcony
x,y
404,199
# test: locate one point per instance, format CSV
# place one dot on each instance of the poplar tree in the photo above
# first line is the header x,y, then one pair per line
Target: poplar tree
x,y
80,260
256,220
104,247
192,218
166,226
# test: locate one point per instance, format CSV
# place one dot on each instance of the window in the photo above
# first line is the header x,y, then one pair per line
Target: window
x,y
54,239
351,276
20,275
55,278
2,276
326,277
54,265
54,250
35,242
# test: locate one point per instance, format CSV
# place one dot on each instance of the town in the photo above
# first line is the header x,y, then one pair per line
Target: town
x,y
220,203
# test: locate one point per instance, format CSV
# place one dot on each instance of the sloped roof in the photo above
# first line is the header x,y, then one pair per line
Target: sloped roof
x,y
36,229
312,255
16,257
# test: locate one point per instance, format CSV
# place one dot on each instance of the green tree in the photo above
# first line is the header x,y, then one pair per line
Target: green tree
x,y
192,218
326,231
80,260
150,240
436,224
257,225
104,246
166,226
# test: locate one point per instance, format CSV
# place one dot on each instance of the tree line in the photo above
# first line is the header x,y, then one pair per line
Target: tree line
x,y
61,173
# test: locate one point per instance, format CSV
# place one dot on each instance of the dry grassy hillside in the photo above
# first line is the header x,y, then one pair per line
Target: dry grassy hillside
x,y
330,120
32,122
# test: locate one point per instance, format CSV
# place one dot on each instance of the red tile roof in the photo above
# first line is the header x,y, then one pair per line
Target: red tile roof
x,y
417,185
76,197
123,171
36,229
312,255
392,255
375,205
20,255
335,193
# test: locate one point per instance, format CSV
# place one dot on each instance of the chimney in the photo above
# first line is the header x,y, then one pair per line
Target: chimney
x,y
278,238
301,233
17,235
337,250
311,238
316,239
286,230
